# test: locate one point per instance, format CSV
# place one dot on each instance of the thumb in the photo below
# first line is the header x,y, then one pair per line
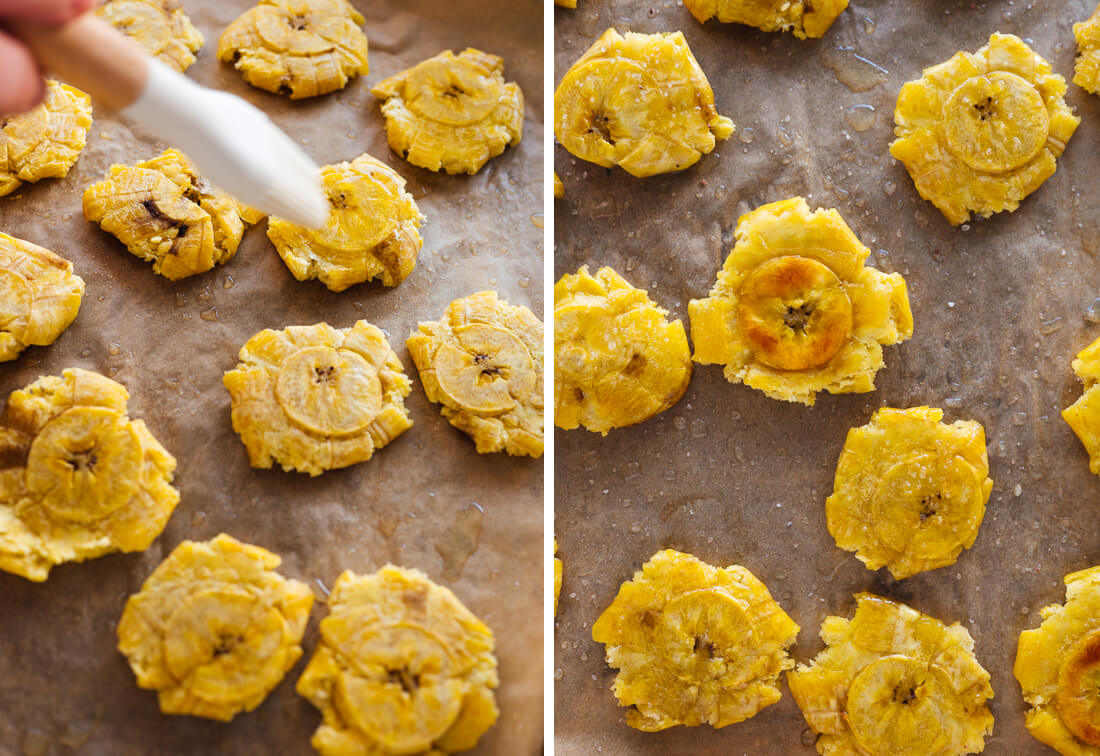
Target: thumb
x,y
21,85
44,11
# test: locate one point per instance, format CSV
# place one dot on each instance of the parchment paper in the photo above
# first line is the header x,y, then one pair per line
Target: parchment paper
x,y
61,679
735,477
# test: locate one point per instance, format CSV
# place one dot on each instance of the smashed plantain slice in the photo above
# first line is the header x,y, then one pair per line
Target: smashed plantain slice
x,y
894,681
801,17
694,644
795,311
557,577
1087,69
214,629
566,3
559,187
618,360
639,101
39,296
372,229
910,491
316,398
452,112
981,132
159,26
78,477
1083,416
1058,668
483,362
166,213
402,667
46,141
303,48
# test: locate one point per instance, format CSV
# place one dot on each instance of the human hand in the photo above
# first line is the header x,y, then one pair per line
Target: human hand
x,y
21,83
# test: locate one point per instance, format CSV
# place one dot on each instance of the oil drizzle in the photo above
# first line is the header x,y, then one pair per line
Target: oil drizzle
x,y
861,117
387,523
853,70
36,743
459,541
75,735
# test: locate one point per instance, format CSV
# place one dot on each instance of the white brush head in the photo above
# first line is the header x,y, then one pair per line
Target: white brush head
x,y
234,144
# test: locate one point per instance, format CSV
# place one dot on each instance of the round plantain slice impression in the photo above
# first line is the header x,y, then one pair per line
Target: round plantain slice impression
x,y
795,311
316,398
303,48
372,229
46,141
694,644
1058,668
618,360
402,667
39,296
981,131
168,214
910,491
483,362
78,477
329,391
159,26
894,681
214,629
452,112
639,101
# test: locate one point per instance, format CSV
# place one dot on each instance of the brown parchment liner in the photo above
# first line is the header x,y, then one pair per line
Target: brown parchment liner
x,y
62,681
735,477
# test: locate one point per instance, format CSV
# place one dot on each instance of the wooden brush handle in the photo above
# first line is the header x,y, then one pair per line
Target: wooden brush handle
x,y
92,55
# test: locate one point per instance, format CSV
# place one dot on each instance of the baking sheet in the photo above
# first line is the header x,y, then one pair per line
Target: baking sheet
x,y
735,477
62,681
